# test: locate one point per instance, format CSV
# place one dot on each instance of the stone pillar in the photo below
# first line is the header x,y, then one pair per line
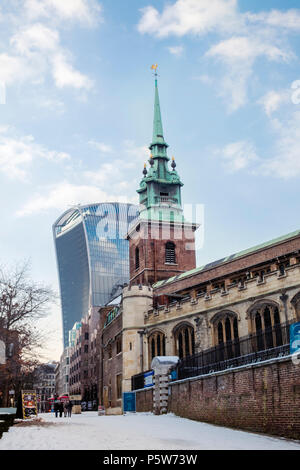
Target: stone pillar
x,y
136,302
161,366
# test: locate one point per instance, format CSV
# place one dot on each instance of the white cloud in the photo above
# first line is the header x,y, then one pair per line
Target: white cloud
x,y
112,181
244,48
105,175
176,50
285,162
135,153
65,75
87,12
14,69
189,17
272,100
234,85
17,154
52,104
104,148
289,19
244,37
238,54
35,37
237,156
34,47
64,194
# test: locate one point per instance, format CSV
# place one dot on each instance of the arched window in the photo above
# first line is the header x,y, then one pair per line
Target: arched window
x,y
157,345
170,253
226,335
137,258
296,304
184,341
266,327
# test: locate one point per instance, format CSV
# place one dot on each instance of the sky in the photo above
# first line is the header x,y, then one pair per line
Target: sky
x,y
76,113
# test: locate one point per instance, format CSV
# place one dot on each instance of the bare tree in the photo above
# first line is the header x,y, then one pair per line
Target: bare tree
x,y
22,303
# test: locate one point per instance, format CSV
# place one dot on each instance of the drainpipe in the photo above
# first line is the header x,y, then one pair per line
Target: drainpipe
x,y
141,333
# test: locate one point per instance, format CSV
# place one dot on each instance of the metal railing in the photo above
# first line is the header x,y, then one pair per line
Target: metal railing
x,y
167,199
266,344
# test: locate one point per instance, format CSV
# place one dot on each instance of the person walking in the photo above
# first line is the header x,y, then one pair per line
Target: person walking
x,y
70,406
61,409
56,408
65,409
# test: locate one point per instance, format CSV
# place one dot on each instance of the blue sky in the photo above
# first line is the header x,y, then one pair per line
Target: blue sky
x,y
77,107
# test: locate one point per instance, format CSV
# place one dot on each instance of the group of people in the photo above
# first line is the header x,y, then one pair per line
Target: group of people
x,y
61,407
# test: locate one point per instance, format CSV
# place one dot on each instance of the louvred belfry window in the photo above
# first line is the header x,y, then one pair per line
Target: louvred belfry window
x,y
170,253
137,258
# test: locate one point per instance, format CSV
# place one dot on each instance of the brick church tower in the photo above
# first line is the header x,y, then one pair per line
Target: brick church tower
x,y
161,242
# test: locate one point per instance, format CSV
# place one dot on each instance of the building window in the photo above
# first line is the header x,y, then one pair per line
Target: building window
x,y
296,304
109,350
226,329
137,258
119,344
157,345
119,386
170,253
184,341
226,335
266,327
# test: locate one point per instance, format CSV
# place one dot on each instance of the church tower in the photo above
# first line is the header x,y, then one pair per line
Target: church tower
x,y
161,242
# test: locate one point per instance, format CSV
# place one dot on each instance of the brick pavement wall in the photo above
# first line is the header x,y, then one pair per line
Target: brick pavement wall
x,y
144,400
260,398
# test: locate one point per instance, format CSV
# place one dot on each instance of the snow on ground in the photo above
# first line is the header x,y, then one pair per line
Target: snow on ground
x,y
141,431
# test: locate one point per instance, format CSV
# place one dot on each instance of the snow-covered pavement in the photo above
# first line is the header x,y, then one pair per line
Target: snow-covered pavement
x,y
142,431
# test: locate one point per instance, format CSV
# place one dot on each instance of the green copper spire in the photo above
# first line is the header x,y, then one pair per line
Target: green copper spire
x,y
158,134
158,146
160,188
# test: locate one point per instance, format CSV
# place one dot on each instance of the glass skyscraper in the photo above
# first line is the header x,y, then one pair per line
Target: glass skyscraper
x,y
92,255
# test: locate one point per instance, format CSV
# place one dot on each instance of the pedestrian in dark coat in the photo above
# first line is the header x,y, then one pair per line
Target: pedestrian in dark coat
x,y
56,408
61,409
70,406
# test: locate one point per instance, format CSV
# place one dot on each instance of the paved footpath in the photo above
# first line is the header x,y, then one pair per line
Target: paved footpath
x,y
141,431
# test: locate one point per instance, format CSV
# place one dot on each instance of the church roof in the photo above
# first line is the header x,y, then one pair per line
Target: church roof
x,y
227,259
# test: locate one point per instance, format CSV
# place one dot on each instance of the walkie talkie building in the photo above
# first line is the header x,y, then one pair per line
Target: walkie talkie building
x,y
92,255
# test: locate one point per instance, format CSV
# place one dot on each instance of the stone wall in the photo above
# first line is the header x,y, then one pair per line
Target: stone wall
x,y
261,397
144,400
200,312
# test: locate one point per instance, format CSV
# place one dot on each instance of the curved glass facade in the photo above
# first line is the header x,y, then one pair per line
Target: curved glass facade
x,y
92,257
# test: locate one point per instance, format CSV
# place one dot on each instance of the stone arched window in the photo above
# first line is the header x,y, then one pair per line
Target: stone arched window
x,y
137,258
265,326
156,345
226,335
170,253
296,304
184,340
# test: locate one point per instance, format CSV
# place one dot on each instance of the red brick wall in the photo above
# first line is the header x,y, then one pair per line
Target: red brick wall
x,y
144,400
152,266
113,366
259,398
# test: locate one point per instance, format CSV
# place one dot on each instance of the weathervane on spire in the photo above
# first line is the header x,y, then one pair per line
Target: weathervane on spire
x,y
154,67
